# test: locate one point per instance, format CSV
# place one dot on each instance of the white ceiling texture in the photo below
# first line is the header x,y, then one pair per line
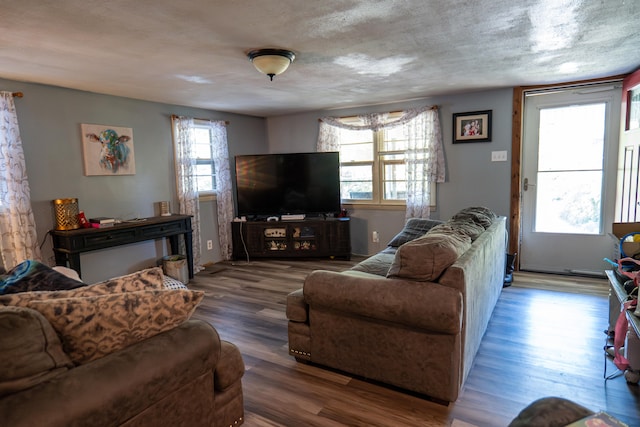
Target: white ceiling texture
x,y
348,52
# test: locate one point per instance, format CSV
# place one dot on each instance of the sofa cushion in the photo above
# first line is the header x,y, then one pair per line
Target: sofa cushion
x,y
377,264
424,259
461,226
413,228
148,279
92,327
32,275
31,350
478,214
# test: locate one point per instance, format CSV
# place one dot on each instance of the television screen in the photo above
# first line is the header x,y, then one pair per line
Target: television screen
x,y
292,183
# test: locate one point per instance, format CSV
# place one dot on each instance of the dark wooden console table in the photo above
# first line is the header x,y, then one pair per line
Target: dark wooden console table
x,y
69,244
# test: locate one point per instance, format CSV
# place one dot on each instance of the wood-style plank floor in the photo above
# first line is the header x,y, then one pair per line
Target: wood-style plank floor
x,y
545,338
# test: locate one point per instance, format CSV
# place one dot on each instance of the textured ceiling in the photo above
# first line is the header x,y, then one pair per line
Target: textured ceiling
x,y
348,52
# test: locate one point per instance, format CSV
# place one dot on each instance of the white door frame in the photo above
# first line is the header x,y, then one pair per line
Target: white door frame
x,y
516,152
560,251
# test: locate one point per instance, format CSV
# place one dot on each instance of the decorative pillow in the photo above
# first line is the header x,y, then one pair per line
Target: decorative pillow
x,y
478,214
171,283
93,327
425,258
414,228
31,350
148,279
31,275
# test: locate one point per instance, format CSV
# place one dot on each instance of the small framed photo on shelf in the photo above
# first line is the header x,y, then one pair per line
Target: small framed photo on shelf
x,y
473,126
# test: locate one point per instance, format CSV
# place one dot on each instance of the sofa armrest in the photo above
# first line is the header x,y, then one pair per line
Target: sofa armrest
x,y
230,367
297,308
424,305
111,390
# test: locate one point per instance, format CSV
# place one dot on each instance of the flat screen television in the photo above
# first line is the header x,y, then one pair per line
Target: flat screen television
x,y
289,183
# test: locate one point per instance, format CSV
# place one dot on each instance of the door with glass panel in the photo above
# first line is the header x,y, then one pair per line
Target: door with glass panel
x,y
569,159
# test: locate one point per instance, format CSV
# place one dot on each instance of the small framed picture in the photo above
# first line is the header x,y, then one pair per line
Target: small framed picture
x,y
473,126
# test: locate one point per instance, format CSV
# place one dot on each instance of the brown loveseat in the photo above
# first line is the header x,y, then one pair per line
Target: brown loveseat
x,y
181,376
411,316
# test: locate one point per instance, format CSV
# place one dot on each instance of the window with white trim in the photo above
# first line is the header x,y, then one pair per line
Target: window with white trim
x,y
205,165
372,165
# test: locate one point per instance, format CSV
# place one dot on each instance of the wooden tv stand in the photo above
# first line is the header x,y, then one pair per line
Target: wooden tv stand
x,y
292,239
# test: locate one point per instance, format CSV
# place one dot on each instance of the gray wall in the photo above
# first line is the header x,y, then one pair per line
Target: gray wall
x,y
472,179
50,118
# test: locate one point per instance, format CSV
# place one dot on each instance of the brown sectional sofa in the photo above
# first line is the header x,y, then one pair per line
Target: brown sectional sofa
x,y
184,375
411,316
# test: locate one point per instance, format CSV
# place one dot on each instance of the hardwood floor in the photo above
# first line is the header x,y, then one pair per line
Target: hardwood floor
x,y
545,339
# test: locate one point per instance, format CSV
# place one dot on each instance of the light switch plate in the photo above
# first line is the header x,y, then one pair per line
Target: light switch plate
x,y
499,156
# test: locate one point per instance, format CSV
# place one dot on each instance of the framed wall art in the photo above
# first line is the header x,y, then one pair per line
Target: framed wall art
x,y
473,126
107,150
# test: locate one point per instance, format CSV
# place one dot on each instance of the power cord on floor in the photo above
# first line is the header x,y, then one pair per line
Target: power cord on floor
x,y
244,244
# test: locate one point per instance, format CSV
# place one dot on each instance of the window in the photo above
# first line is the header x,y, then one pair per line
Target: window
x,y
372,165
388,159
205,166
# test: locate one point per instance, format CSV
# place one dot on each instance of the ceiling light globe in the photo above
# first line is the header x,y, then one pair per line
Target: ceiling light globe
x,y
271,61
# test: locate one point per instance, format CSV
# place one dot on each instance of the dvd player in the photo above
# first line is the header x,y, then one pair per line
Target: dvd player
x,y
292,217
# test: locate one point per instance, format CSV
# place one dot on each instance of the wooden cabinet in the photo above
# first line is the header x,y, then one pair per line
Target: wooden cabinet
x,y
290,239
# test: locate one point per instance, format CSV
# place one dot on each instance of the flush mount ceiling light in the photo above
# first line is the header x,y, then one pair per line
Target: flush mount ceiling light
x,y
271,61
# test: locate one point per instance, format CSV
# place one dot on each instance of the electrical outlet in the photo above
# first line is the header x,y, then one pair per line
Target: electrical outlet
x,y
209,244
375,237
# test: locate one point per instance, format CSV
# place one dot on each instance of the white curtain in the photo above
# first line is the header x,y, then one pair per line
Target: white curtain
x,y
185,158
185,162
328,137
424,156
224,195
424,159
18,239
